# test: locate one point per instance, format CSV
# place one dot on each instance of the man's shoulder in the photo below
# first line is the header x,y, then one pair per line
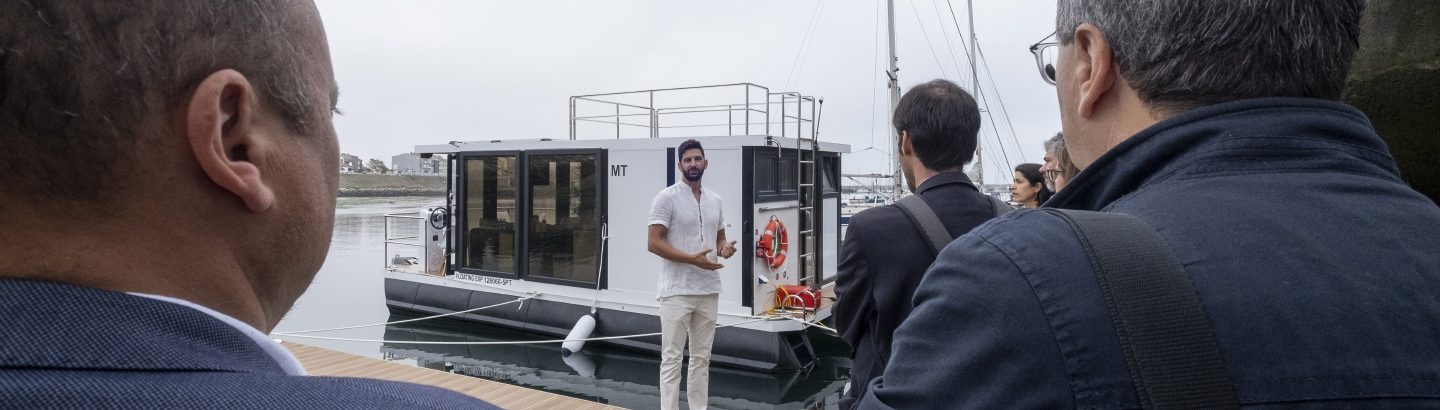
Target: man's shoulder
x,y
1034,237
878,220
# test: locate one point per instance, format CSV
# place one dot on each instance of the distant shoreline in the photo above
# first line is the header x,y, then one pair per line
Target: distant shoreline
x,y
385,192
371,185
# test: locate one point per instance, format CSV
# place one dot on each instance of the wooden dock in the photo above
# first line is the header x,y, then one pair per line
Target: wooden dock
x,y
325,362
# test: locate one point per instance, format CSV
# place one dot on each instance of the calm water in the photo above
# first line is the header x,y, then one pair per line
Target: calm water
x,y
349,291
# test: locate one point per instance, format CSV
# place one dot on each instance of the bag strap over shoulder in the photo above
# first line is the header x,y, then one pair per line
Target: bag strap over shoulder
x,y
1170,347
998,207
924,218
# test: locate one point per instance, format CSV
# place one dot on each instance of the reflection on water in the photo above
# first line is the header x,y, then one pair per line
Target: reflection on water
x,y
349,291
614,376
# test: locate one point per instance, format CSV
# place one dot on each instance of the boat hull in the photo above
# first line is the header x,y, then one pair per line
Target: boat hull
x,y
734,347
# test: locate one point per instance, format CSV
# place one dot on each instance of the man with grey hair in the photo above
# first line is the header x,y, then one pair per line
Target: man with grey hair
x,y
1058,168
167,191
1216,127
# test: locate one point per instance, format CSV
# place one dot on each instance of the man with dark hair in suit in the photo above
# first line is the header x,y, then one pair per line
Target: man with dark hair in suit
x,y
884,253
167,191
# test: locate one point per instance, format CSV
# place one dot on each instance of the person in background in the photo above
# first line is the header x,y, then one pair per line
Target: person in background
x,y
167,191
1028,186
1189,116
1058,168
884,253
687,230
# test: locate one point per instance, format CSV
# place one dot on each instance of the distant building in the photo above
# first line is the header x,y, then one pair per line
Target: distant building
x,y
350,164
413,164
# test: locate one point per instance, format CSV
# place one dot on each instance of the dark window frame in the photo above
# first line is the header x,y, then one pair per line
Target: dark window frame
x,y
601,216
463,210
522,218
781,192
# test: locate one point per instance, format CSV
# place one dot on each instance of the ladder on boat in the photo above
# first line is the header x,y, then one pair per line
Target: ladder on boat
x,y
809,187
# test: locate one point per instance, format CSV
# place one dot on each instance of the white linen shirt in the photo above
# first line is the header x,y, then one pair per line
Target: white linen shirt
x,y
691,228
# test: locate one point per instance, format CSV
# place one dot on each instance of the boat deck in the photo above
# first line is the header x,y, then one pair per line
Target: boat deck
x,y
325,362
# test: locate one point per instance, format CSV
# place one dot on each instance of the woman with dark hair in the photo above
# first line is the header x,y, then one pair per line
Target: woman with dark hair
x,y
1029,186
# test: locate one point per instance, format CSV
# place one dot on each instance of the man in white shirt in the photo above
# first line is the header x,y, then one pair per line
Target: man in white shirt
x,y
686,224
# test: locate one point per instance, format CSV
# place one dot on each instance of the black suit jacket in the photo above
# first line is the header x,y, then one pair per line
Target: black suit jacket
x,y
64,346
881,262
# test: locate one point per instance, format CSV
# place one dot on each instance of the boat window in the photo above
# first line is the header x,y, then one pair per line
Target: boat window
x,y
490,184
563,228
830,170
765,174
788,170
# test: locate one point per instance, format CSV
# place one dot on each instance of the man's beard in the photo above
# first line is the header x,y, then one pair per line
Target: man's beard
x,y
694,174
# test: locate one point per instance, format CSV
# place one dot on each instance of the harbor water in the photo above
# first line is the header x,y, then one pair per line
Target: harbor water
x,y
349,290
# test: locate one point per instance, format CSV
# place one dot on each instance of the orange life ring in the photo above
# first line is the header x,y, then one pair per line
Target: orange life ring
x,y
773,244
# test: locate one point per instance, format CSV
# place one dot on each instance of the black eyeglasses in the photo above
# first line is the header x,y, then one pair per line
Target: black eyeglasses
x,y
1045,57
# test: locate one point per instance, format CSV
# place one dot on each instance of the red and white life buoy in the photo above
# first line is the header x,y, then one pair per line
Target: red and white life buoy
x,y
773,244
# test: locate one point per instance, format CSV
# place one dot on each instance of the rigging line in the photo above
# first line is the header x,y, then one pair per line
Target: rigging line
x,y
991,115
809,45
510,342
805,38
944,32
293,333
980,59
988,155
957,29
921,25
980,53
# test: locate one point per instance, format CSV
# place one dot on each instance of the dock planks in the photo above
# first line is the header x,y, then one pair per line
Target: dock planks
x,y
325,362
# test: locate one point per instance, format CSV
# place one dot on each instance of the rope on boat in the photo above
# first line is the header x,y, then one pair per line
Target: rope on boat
x,y
600,267
513,342
296,333
815,324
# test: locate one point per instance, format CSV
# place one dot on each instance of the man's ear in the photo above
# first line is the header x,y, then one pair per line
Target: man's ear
x,y
220,125
907,146
1092,68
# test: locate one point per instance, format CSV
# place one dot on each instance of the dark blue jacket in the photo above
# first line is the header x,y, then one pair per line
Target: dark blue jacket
x,y
881,262
64,346
1318,267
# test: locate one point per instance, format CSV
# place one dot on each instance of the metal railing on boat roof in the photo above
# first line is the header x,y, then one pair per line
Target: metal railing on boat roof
x,y
695,111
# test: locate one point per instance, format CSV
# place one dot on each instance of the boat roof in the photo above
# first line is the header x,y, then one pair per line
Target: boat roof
x,y
716,142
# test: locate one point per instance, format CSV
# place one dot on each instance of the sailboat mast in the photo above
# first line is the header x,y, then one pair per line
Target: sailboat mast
x,y
975,88
893,73
974,76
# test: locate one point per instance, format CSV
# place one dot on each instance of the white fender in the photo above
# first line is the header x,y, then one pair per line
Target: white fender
x,y
582,330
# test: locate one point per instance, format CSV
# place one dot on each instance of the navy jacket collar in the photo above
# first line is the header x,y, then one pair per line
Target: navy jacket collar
x,y
945,178
60,326
1239,135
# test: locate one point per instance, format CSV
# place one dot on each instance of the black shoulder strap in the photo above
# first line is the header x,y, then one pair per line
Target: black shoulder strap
x,y
998,207
1169,344
924,218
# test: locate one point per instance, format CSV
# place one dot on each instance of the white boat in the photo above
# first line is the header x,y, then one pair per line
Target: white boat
x,y
563,221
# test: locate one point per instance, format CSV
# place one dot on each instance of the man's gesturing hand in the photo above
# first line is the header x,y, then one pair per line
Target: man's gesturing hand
x,y
727,250
699,259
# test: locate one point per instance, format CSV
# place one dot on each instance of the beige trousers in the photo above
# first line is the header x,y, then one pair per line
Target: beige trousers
x,y
682,315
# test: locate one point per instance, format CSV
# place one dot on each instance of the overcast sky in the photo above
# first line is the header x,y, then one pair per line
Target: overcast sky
x,y
427,72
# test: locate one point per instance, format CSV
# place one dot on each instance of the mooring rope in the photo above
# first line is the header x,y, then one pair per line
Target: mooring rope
x,y
815,324
297,332
513,342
